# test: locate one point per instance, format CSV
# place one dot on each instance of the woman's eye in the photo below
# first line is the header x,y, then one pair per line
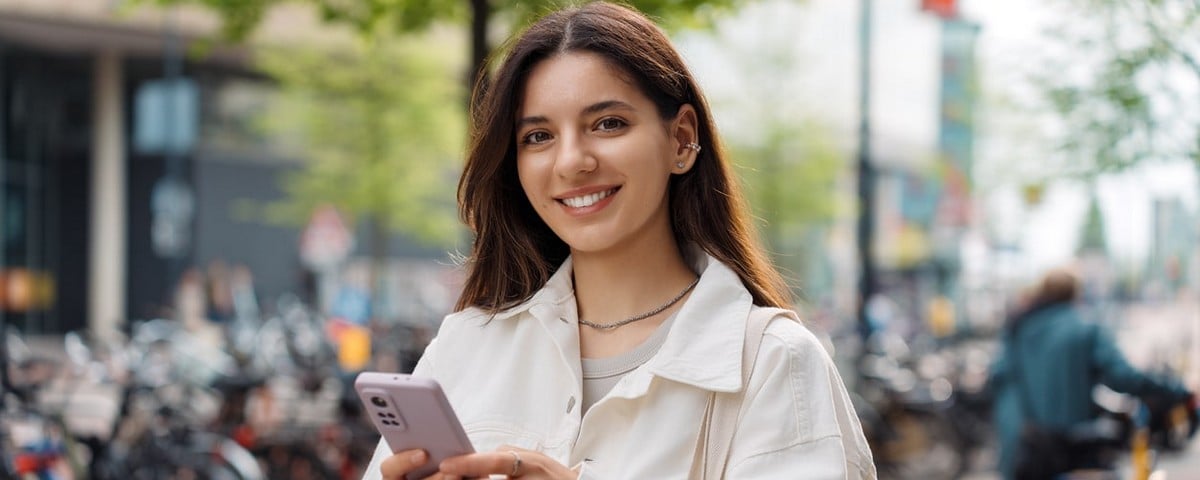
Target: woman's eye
x,y
610,123
534,138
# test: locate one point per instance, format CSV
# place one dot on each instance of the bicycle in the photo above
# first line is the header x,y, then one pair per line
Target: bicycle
x,y
35,440
158,432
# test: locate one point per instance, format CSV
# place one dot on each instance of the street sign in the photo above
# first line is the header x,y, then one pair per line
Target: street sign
x,y
166,116
946,9
172,207
326,241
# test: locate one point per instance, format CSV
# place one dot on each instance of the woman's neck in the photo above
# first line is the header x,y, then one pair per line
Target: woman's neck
x,y
614,286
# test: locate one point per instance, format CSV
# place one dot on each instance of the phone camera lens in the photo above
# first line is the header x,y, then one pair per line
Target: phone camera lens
x,y
379,401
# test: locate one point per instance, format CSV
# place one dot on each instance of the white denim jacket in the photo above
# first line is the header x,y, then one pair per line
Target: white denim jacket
x,y
514,379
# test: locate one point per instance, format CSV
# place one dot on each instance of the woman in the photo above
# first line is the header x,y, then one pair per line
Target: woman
x,y
611,278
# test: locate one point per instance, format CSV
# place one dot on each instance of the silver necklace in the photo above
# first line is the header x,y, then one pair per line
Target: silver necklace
x,y
641,316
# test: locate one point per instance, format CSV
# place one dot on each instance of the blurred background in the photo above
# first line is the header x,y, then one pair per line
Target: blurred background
x,y
214,213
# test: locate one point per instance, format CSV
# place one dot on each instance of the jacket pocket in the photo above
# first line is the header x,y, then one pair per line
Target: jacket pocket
x,y
491,434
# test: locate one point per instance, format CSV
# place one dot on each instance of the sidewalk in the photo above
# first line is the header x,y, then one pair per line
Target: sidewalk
x,y
1183,465
1152,335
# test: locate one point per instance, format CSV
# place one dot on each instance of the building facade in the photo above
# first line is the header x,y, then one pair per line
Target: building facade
x,y
114,181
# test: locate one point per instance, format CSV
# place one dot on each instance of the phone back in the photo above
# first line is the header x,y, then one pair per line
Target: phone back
x,y
412,412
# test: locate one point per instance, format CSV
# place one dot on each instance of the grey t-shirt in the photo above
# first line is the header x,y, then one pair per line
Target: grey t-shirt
x,y
600,375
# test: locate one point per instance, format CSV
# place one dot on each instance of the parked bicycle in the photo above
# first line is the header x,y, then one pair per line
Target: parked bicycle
x,y
33,438
158,375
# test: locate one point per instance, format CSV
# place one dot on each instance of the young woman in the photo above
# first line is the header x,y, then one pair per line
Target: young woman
x,y
613,271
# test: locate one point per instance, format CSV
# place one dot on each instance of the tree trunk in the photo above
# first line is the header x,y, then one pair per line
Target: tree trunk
x,y
481,12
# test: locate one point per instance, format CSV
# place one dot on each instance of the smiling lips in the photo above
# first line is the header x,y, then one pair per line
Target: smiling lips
x,y
588,200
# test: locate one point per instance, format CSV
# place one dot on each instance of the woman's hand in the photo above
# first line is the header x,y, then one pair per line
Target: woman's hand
x,y
401,463
511,461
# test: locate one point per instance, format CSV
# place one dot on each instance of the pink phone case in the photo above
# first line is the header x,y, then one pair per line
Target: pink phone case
x,y
412,412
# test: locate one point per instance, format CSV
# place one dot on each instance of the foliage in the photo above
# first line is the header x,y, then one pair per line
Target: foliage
x,y
789,175
787,161
380,124
375,126
1124,83
241,17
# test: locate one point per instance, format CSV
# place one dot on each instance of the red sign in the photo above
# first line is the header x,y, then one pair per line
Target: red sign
x,y
326,241
946,9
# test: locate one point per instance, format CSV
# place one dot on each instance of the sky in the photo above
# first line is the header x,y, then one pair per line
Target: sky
x,y
823,35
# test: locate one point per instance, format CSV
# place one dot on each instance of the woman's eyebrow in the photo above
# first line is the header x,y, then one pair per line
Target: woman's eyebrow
x,y
589,110
533,120
606,105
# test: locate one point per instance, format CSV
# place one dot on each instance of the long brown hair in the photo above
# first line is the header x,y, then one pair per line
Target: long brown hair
x,y
515,252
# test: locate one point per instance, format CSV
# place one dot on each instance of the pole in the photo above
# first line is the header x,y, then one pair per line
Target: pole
x,y
866,173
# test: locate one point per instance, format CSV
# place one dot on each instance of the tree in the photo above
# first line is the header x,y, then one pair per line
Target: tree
x,y
1092,237
371,17
380,133
789,172
376,122
1124,86
785,156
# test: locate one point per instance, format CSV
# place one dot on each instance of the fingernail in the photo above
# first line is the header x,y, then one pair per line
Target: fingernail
x,y
418,458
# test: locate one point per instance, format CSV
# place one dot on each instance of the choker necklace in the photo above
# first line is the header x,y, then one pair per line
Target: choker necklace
x,y
642,316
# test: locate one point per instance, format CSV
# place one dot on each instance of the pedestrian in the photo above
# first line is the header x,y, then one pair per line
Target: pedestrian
x,y
1052,359
220,295
611,282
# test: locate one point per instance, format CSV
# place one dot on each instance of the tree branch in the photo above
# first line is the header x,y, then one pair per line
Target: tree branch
x,y
1161,38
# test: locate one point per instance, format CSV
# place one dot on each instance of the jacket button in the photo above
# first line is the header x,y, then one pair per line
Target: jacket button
x,y
570,404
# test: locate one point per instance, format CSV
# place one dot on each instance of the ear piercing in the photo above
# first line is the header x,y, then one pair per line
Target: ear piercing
x,y
691,146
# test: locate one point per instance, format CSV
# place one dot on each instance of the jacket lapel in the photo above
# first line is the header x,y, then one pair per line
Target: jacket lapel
x,y
704,346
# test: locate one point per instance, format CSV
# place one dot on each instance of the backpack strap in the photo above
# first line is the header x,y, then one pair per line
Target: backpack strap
x,y
724,409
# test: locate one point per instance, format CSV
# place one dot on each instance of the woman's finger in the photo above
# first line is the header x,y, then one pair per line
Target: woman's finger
x,y
484,464
399,464
508,461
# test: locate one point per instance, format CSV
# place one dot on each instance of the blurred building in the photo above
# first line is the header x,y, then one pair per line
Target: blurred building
x,y
925,198
1173,245
89,132
125,157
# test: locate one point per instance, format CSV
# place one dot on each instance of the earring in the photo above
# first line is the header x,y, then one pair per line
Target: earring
x,y
679,165
694,146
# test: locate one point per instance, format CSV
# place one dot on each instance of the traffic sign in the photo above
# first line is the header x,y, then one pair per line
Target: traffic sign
x,y
326,241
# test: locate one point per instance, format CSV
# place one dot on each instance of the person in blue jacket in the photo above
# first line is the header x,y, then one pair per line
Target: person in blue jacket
x,y
1050,363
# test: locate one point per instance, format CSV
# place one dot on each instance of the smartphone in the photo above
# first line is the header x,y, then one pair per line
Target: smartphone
x,y
412,412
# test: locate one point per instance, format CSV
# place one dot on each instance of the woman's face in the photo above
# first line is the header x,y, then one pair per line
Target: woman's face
x,y
594,156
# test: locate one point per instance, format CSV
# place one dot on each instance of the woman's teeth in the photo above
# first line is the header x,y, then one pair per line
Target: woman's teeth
x,y
587,200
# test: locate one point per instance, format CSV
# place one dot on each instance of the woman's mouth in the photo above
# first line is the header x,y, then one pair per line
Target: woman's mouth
x,y
588,200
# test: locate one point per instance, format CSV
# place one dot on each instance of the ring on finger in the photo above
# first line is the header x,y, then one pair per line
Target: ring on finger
x,y
516,468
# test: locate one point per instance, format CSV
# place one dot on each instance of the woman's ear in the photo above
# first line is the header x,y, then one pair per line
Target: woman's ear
x,y
684,131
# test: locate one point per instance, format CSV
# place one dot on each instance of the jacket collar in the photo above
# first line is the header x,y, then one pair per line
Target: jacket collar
x,y
558,291
704,346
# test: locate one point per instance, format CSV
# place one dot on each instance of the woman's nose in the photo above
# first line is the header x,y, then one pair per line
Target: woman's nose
x,y
573,157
